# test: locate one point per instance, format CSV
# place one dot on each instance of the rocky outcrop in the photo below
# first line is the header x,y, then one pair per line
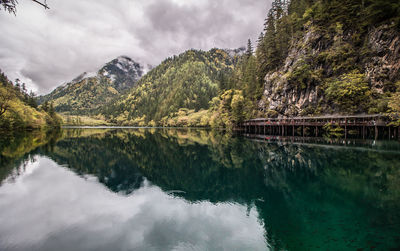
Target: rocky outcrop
x,y
384,65
297,87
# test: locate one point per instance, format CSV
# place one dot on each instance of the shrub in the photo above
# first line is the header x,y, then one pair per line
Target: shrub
x,y
350,92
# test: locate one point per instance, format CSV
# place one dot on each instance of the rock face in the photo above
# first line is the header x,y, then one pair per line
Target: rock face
x,y
384,65
123,71
317,55
90,90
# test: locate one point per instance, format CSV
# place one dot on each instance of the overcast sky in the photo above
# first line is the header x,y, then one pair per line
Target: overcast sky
x,y
45,48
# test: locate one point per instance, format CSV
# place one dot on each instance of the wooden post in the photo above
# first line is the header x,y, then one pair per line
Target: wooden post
x,y
376,132
390,133
398,132
363,131
345,128
293,127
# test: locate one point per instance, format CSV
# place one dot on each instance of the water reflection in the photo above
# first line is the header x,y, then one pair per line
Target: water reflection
x,y
193,189
50,208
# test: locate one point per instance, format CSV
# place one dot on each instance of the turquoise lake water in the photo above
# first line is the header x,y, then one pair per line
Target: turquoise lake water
x,y
176,189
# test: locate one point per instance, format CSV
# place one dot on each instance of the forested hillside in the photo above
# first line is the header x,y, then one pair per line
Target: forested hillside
x,y
324,57
188,81
88,91
313,57
19,110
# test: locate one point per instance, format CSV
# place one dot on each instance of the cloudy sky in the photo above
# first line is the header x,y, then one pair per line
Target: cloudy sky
x,y
46,48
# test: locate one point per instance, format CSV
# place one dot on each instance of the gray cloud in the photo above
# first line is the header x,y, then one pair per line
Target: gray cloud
x,y
47,48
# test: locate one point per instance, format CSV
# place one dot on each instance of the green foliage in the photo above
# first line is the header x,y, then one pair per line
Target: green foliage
x,y
336,40
394,106
226,110
333,130
383,10
186,118
83,97
21,113
189,80
350,92
249,51
302,75
45,106
229,109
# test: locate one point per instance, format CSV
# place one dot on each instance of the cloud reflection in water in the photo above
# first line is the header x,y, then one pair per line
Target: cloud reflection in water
x,y
49,207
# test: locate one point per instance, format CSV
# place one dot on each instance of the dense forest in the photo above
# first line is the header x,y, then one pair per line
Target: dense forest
x,y
182,83
313,57
319,57
19,109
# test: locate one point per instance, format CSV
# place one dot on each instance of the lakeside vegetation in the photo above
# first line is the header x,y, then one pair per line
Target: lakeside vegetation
x,y
19,110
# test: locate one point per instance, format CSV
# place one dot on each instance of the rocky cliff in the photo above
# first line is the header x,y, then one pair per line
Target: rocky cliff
x,y
299,86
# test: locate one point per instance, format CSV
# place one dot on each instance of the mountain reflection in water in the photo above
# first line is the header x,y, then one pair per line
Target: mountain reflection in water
x,y
164,189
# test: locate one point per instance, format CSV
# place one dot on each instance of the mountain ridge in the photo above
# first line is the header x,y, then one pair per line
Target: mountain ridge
x,y
189,80
90,90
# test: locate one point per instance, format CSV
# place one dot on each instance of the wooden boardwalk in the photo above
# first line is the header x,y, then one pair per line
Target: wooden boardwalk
x,y
362,126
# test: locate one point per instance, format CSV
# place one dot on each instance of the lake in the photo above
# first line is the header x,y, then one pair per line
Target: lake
x,y
176,189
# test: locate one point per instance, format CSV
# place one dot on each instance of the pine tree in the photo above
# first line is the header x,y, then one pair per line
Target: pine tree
x,y
45,106
260,39
51,109
18,84
249,51
32,100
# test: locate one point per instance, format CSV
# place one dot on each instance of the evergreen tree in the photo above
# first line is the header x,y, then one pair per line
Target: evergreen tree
x,y
249,51
260,39
32,100
45,106
18,84
51,109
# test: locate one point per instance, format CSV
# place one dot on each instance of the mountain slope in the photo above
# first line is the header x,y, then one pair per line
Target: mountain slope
x,y
314,57
189,80
88,91
18,110
334,56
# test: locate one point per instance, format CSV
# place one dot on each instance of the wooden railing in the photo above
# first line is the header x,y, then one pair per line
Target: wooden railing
x,y
363,124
